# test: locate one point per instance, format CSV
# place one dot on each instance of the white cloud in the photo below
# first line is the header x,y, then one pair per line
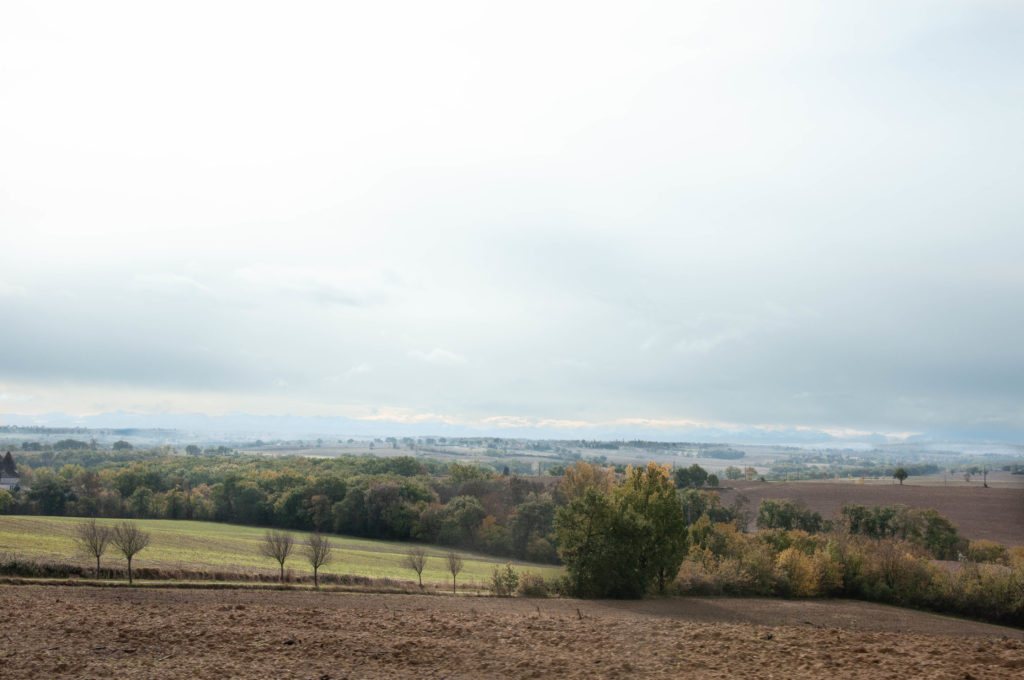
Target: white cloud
x,y
701,345
340,285
358,369
441,357
11,290
169,283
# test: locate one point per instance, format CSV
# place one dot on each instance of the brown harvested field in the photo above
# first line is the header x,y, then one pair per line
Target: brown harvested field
x,y
82,632
996,514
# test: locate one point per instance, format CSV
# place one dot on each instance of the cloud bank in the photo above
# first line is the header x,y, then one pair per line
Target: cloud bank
x,y
790,217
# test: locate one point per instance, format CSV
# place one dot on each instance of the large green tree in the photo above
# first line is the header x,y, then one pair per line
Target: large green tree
x,y
650,493
616,543
531,519
588,529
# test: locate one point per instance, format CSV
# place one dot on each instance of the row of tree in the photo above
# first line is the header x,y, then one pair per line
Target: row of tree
x,y
94,538
129,540
924,527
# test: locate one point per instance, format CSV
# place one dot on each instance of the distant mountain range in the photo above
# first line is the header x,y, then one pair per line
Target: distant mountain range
x,y
239,426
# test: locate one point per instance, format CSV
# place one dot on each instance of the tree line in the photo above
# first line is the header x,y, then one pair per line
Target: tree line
x,y
646,530
399,498
128,539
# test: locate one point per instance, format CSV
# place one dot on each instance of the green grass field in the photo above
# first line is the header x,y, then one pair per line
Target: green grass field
x,y
179,544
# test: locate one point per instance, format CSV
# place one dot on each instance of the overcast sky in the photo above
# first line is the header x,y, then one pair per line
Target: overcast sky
x,y
772,214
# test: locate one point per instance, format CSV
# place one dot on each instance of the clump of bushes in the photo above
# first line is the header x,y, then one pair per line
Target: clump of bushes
x,y
504,581
802,574
532,585
988,583
988,551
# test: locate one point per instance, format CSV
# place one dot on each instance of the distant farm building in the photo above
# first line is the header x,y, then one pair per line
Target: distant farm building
x,y
8,473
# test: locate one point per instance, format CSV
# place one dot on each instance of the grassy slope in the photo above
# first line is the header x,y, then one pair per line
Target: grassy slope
x,y
212,546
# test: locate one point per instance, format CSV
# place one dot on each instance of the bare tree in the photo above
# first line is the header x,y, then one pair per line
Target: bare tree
x,y
93,538
318,552
416,559
454,566
277,545
129,540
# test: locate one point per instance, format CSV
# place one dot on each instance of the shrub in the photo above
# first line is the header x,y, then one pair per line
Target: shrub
x,y
540,550
798,576
899,566
758,569
830,574
987,551
504,580
849,553
532,585
14,565
561,585
694,579
992,592
776,540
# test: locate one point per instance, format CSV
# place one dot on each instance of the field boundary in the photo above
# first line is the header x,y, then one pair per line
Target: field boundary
x,y
473,590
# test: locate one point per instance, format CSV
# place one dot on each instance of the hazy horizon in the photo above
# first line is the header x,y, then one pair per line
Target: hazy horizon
x,y
679,217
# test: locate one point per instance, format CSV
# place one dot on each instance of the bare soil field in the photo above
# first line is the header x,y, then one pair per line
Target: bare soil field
x,y
996,514
83,632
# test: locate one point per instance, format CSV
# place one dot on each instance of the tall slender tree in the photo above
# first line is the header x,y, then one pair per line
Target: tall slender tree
x,y
277,545
318,553
416,559
454,566
129,540
93,538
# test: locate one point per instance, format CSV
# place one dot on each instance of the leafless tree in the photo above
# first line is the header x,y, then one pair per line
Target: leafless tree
x,y
129,540
93,539
318,552
277,545
454,566
416,559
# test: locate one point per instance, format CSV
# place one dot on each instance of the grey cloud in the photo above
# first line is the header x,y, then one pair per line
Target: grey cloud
x,y
815,225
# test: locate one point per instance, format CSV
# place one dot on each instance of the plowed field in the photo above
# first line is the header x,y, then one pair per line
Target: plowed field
x,y
83,632
995,514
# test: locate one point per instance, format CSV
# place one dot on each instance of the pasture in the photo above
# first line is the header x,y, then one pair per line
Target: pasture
x,y
210,546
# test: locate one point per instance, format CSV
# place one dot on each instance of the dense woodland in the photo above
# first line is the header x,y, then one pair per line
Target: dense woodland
x,y
620,533
399,498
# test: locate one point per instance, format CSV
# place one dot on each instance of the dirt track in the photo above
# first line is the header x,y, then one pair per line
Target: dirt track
x,y
87,632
